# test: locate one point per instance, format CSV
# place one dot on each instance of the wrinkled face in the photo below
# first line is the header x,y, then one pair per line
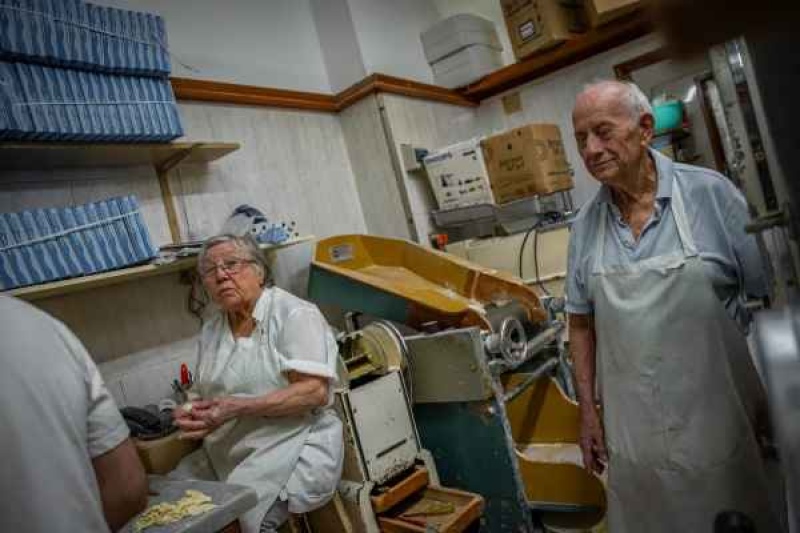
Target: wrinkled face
x,y
611,142
232,280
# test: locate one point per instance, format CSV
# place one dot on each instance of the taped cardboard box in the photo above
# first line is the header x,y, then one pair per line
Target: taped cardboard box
x,y
603,11
161,456
527,161
535,25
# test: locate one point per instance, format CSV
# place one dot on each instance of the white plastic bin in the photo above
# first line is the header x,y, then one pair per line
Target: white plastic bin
x,y
457,32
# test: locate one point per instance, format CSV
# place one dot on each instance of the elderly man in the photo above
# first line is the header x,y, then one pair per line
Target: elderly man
x,y
659,266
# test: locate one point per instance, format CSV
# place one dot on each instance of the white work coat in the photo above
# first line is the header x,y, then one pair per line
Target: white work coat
x,y
678,391
298,459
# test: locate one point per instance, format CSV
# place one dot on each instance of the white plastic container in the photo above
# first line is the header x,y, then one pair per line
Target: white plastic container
x,y
457,32
466,66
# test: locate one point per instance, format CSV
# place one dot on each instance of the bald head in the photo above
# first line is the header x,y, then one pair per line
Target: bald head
x,y
613,124
627,97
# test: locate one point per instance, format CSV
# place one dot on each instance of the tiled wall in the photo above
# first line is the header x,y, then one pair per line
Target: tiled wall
x,y
432,125
371,160
292,165
550,99
429,125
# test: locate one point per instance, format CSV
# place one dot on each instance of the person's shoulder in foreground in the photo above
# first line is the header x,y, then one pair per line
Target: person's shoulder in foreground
x,y
64,439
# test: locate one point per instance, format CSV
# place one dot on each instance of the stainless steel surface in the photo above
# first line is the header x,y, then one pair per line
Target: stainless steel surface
x,y
533,347
778,352
232,502
385,428
449,366
508,343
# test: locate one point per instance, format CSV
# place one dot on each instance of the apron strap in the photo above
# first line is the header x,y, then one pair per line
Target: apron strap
x,y
600,245
678,214
682,221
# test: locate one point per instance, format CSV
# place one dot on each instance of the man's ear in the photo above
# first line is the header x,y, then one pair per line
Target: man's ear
x,y
647,125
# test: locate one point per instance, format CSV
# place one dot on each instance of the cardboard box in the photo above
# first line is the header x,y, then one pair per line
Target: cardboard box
x,y
161,456
535,25
458,176
527,161
602,11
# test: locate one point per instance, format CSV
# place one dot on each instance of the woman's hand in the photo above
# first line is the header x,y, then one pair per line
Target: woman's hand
x,y
205,416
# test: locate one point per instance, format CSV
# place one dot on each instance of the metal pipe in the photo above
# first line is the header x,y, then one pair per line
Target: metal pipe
x,y
545,367
536,344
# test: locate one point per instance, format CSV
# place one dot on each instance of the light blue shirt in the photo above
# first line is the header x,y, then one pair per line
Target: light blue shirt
x,y
717,214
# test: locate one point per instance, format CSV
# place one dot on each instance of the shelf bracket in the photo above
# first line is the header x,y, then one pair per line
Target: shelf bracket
x,y
162,170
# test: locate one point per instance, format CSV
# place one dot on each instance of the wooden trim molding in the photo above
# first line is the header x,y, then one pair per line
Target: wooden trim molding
x,y
233,93
624,71
390,84
213,91
593,42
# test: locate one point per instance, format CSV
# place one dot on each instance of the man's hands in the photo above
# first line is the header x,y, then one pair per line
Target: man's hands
x,y
205,416
592,440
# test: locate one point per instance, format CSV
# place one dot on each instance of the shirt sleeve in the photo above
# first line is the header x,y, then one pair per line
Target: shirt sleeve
x,y
106,428
577,295
305,342
747,252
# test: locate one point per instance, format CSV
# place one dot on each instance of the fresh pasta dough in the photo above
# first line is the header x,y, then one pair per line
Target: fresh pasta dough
x,y
193,503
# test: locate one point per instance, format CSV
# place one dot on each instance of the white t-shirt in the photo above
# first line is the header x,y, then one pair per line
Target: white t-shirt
x,y
56,415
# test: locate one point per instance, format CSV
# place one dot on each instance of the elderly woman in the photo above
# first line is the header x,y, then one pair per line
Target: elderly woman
x,y
265,374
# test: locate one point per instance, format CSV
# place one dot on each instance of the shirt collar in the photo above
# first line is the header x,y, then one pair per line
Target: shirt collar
x,y
664,174
262,305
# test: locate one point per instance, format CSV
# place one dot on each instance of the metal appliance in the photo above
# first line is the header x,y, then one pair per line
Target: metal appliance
x,y
489,375
388,479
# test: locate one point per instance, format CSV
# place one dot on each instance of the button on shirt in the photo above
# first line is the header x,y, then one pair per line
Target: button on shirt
x,y
717,214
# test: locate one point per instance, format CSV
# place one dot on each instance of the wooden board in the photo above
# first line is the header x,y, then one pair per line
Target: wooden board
x,y
468,508
400,490
38,156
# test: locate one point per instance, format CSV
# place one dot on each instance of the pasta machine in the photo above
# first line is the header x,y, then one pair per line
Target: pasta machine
x,y
489,384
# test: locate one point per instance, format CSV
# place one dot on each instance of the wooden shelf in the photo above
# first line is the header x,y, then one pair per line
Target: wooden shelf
x,y
36,156
591,43
114,277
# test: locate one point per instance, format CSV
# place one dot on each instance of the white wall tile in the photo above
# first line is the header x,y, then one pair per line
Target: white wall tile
x,y
292,165
434,125
117,392
375,178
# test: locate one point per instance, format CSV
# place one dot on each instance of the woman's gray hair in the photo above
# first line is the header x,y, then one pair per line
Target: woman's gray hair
x,y
634,99
245,245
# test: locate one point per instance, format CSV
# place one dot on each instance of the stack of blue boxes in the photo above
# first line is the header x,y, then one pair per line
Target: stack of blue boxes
x,y
40,245
74,71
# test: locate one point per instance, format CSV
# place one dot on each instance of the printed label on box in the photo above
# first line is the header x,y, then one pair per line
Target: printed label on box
x,y
527,30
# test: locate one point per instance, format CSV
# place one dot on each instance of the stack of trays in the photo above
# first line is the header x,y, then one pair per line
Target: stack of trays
x,y
73,71
41,245
78,35
462,49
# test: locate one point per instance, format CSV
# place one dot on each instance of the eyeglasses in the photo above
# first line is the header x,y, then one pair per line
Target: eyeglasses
x,y
228,266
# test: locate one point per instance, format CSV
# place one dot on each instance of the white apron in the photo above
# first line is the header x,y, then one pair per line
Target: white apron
x,y
678,388
262,453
